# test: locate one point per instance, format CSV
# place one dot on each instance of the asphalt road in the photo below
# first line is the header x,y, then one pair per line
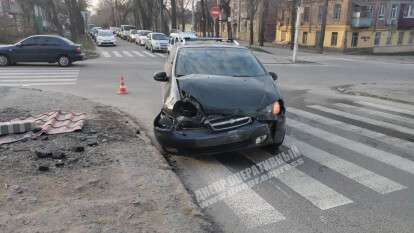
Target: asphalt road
x,y
357,173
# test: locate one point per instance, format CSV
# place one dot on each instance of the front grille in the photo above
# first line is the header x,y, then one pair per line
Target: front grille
x,y
227,123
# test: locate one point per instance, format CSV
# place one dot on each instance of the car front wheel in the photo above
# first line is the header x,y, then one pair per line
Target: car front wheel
x,y
64,61
4,61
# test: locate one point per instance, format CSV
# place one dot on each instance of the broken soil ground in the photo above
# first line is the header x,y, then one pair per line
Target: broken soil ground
x,y
122,184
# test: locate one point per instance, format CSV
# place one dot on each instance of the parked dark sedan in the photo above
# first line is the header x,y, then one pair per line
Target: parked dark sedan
x,y
41,48
218,98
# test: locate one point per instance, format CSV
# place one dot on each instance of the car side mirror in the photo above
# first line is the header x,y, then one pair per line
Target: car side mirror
x,y
161,77
274,75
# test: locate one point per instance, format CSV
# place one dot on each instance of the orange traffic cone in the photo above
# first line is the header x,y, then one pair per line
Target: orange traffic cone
x,y
122,87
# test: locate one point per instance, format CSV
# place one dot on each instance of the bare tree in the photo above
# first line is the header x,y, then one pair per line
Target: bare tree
x,y
173,14
252,9
225,6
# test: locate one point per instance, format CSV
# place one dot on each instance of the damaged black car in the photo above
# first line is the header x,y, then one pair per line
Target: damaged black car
x,y
218,98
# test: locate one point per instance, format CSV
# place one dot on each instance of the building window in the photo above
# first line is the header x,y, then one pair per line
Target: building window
x,y
337,11
400,38
377,40
306,14
394,11
354,41
389,38
411,38
305,38
334,38
381,13
408,11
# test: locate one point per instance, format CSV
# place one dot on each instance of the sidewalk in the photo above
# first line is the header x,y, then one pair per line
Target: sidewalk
x,y
64,183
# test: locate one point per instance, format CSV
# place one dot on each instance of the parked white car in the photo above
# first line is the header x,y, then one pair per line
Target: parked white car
x,y
132,36
105,37
157,42
179,37
142,37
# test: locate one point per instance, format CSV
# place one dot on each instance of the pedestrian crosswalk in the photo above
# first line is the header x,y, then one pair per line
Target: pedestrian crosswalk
x,y
39,76
343,126
130,54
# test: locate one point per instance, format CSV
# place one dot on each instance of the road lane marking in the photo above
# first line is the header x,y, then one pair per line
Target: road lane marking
x,y
309,188
354,172
128,54
363,119
117,54
37,76
39,70
376,113
106,54
252,210
36,73
394,104
149,54
38,80
160,55
35,84
138,53
388,140
368,151
383,107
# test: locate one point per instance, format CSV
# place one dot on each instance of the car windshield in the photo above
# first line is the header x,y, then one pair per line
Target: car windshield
x,y
133,31
106,33
217,61
67,40
159,37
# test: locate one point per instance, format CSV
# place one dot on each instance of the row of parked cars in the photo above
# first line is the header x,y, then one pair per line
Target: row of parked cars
x,y
153,41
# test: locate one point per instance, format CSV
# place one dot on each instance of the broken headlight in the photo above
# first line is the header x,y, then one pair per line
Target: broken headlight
x,y
271,111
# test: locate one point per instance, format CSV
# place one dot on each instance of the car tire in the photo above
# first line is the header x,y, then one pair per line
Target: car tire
x,y
64,61
4,60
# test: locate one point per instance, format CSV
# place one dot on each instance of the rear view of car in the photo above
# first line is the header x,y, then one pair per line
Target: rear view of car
x,y
142,37
105,37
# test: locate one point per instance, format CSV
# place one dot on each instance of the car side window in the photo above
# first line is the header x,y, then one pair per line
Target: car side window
x,y
33,41
49,41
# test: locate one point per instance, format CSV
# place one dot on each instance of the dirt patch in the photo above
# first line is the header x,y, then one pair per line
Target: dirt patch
x,y
105,178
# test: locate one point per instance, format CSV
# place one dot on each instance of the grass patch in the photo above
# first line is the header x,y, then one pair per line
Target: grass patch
x,y
88,47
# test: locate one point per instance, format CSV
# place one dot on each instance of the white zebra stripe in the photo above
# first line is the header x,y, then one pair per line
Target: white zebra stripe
x,y
247,205
363,119
311,189
354,172
379,155
374,112
117,54
397,142
128,54
138,53
384,107
149,54
106,54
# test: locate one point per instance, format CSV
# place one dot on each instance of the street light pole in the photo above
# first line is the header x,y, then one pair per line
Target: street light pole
x,y
193,16
297,24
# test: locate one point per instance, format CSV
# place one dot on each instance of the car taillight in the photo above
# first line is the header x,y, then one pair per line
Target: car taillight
x,y
78,50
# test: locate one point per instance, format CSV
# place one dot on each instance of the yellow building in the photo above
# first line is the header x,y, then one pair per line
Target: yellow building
x,y
375,26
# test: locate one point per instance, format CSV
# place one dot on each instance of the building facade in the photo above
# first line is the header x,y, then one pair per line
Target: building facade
x,y
375,26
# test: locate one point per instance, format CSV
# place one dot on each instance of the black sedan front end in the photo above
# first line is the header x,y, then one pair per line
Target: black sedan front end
x,y
223,135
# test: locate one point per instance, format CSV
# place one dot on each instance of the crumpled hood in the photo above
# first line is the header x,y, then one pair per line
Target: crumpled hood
x,y
226,95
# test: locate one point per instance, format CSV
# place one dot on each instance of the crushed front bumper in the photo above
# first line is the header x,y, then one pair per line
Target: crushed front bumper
x,y
207,141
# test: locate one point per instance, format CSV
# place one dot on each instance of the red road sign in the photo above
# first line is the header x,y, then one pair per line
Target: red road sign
x,y
215,12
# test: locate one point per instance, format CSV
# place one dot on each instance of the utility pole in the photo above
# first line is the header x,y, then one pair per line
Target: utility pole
x,y
323,25
193,16
297,24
